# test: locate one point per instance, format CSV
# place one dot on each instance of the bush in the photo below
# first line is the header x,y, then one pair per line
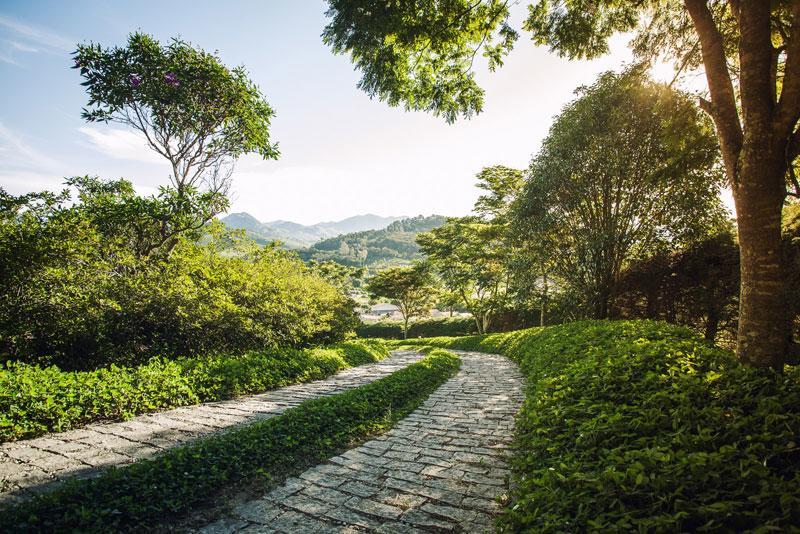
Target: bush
x,y
450,326
35,400
80,290
153,492
642,426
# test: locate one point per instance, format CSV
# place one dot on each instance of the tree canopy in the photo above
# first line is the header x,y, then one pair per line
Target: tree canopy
x,y
411,289
628,168
191,109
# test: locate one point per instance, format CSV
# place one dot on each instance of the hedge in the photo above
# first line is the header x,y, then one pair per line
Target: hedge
x,y
449,326
35,400
158,491
642,426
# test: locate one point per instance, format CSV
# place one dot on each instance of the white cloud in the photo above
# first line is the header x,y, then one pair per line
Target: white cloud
x,y
46,39
121,144
15,153
22,47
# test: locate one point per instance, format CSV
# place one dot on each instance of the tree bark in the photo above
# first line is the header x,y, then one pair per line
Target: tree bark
x,y
754,147
763,305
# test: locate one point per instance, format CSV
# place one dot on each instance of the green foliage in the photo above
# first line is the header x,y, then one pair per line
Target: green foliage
x,y
77,292
192,110
697,286
421,54
412,289
641,426
36,400
177,94
157,491
628,168
449,326
393,245
472,255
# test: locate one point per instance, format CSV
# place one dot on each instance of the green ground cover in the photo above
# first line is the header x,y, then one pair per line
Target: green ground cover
x,y
36,400
642,426
159,491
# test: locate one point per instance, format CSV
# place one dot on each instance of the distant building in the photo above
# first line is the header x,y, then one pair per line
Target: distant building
x,y
384,308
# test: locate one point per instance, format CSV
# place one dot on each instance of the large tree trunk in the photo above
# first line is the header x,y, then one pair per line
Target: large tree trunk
x,y
763,305
754,138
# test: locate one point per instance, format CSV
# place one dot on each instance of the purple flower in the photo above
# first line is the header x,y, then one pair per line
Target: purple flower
x,y
135,80
172,79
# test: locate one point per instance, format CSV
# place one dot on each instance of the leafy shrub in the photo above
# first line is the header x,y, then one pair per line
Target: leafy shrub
x,y
35,400
154,491
449,326
78,290
641,426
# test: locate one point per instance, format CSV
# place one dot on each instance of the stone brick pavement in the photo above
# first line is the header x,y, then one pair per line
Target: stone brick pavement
x,y
38,464
440,469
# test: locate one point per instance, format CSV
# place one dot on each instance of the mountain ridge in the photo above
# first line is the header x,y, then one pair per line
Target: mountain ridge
x,y
297,236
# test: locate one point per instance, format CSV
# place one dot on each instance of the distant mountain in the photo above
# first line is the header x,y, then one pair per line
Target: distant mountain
x,y
294,235
393,245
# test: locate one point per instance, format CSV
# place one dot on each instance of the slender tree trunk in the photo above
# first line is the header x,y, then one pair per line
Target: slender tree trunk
x,y
405,327
478,323
763,306
543,310
712,326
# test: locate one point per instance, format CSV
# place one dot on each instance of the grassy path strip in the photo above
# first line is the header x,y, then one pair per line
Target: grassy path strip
x,y
37,465
35,401
152,492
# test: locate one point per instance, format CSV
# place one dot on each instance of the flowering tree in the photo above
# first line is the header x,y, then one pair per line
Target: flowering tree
x,y
192,110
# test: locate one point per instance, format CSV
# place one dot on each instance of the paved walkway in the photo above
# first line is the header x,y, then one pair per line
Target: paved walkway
x,y
440,469
38,464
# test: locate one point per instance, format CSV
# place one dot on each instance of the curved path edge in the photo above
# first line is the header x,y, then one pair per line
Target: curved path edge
x,y
440,469
37,465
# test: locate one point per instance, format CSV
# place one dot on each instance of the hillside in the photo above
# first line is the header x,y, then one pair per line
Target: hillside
x,y
294,235
393,245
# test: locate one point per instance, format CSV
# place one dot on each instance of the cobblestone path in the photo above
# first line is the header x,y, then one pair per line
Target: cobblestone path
x,y
38,464
439,469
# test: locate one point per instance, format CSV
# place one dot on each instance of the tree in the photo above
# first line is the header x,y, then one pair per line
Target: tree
x,y
472,254
412,289
421,56
190,108
627,168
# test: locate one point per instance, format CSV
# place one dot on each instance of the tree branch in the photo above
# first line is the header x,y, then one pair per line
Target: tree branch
x,y
723,99
788,110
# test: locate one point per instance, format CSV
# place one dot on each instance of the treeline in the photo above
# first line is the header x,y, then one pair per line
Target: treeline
x,y
78,289
617,216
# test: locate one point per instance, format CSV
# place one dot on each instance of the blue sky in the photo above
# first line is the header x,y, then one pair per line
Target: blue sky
x,y
342,153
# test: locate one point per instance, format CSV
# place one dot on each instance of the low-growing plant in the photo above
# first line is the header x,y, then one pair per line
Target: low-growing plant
x,y
36,400
157,491
642,426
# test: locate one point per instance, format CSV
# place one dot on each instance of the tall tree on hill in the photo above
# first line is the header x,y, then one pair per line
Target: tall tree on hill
x,y
421,54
